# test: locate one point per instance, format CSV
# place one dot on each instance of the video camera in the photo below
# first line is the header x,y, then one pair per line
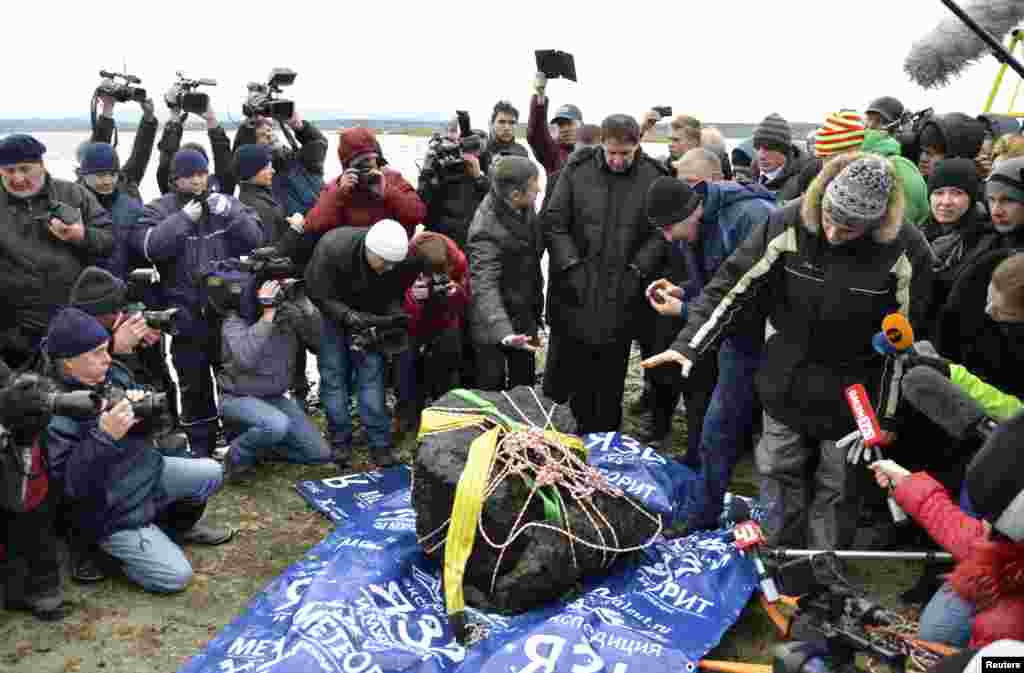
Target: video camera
x,y
232,285
121,87
264,99
183,95
907,131
445,155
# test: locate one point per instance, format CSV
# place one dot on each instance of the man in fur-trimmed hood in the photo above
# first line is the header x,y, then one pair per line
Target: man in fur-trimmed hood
x,y
825,270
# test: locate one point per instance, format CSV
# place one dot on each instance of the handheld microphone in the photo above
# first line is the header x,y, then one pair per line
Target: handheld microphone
x,y
897,335
871,434
748,536
946,405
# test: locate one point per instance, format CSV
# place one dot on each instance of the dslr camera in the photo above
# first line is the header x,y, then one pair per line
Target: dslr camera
x,y
368,179
121,87
151,405
264,99
444,156
184,96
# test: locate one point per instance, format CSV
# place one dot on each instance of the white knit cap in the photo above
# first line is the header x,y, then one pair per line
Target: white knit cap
x,y
388,240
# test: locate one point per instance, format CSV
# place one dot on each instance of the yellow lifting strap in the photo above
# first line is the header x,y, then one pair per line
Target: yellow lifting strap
x,y
469,502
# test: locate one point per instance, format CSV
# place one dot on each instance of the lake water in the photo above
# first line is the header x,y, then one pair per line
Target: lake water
x,y
402,152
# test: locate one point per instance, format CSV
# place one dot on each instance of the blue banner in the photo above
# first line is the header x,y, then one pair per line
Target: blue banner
x,y
366,599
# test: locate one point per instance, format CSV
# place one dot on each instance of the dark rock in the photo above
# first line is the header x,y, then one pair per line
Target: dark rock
x,y
538,566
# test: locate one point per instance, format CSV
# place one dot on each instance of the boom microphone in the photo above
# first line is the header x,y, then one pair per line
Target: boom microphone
x,y
946,405
953,45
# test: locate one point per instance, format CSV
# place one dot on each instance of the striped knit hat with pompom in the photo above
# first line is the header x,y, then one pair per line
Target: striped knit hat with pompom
x,y
843,131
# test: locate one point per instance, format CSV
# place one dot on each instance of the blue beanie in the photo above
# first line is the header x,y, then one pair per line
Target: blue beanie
x,y
251,159
73,332
19,148
189,162
98,158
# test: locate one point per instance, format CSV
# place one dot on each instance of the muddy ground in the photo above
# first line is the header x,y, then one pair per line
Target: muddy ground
x,y
117,628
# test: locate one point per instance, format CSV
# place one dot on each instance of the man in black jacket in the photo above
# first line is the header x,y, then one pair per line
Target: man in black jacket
x,y
254,169
41,254
452,197
826,271
357,278
505,247
603,252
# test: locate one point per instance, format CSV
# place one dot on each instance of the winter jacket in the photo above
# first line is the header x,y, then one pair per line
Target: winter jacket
x,y
427,319
496,148
505,248
982,564
258,359
337,208
125,209
298,173
269,211
968,336
451,204
37,269
826,302
786,185
548,152
955,249
339,278
915,187
223,179
112,485
181,249
603,250
133,170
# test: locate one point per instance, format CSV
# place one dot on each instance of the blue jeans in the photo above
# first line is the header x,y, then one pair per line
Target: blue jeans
x,y
148,556
274,426
727,424
337,361
947,618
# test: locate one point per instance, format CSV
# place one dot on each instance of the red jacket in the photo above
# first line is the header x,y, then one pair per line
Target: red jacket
x,y
989,574
336,208
453,314
549,152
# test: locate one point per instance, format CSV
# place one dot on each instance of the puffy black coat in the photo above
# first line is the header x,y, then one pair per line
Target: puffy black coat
x,y
505,248
826,303
603,249
37,269
452,204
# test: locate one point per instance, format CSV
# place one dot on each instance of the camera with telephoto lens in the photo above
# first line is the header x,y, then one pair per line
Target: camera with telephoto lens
x,y
264,100
165,321
151,405
121,87
183,95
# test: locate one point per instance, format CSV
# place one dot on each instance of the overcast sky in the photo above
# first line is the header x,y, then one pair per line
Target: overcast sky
x,y
721,60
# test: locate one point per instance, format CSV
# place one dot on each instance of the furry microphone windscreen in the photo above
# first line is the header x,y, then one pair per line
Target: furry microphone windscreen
x,y
951,46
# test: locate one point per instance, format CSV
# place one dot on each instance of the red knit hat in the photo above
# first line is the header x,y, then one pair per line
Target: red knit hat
x,y
354,142
843,131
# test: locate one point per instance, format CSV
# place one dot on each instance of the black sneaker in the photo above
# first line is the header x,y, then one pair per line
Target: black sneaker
x,y
204,534
85,567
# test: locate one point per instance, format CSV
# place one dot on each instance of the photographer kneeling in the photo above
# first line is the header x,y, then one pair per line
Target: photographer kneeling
x,y
258,361
110,468
983,600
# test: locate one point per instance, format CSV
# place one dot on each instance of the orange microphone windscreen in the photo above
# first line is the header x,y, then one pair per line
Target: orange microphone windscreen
x,y
898,331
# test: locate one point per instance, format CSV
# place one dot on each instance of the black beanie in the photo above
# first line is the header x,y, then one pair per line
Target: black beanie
x,y
98,292
995,479
959,173
251,159
669,201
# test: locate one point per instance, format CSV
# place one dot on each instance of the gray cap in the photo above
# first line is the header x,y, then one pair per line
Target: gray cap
x,y
859,195
568,112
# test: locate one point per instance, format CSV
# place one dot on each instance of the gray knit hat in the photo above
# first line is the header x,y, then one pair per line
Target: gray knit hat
x,y
1007,177
859,195
774,133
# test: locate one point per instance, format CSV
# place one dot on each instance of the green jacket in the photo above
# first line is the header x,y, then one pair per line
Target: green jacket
x,y
914,186
997,405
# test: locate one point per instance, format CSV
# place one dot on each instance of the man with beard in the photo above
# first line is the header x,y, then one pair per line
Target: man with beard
x,y
603,252
41,255
182,233
504,118
825,270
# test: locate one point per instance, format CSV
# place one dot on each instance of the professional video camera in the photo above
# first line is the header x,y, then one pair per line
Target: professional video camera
x,y
183,95
264,99
907,130
231,285
121,87
445,156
